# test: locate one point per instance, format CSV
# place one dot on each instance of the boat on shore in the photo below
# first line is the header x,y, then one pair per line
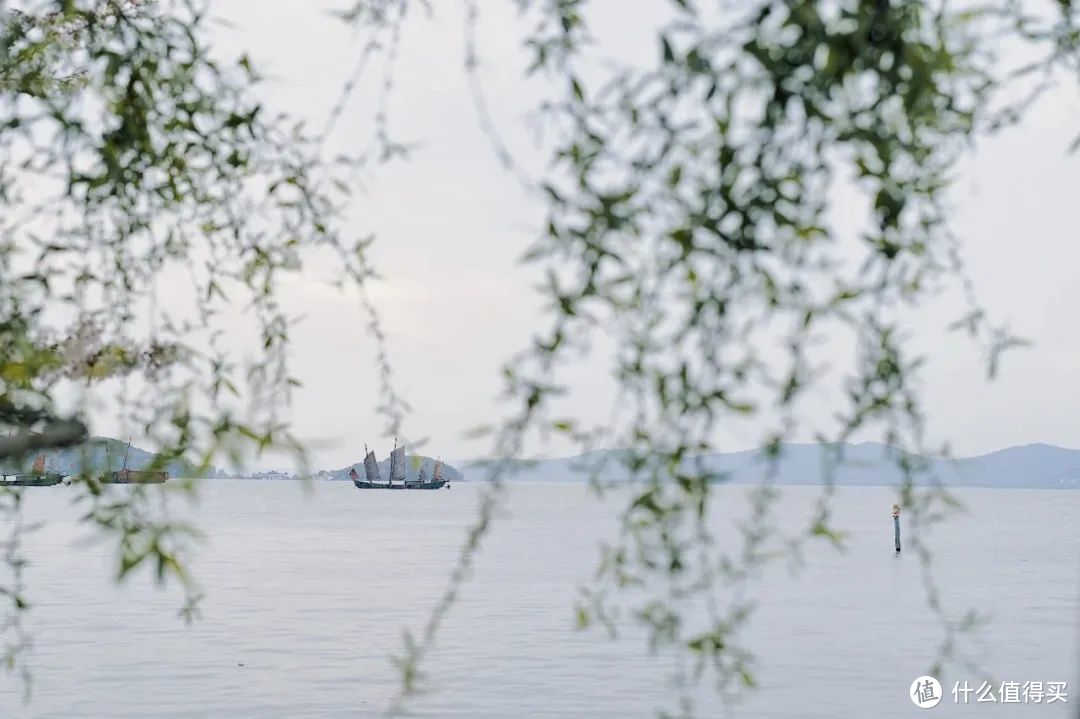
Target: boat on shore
x,y
37,477
398,479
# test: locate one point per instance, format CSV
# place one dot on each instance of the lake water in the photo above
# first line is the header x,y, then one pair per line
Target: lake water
x,y
307,594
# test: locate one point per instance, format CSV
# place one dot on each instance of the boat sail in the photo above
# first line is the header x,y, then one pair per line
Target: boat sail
x,y
371,466
398,475
397,464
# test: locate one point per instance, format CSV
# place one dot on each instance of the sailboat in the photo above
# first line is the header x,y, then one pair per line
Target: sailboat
x,y
436,475
133,476
398,478
37,477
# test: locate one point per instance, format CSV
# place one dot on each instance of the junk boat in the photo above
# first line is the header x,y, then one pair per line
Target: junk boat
x,y
37,477
133,476
373,479
136,476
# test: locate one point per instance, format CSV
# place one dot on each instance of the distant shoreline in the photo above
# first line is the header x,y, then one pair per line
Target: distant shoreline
x,y
865,464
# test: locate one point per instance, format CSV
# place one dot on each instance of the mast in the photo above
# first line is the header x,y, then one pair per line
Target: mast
x,y
896,526
126,450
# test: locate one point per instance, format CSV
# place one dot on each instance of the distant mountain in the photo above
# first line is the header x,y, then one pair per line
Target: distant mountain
x,y
1035,466
99,454
413,463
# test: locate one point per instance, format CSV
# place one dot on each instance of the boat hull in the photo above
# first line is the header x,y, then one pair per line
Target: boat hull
x,y
33,480
360,484
135,476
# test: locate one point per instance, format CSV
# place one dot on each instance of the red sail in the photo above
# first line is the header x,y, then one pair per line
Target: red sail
x,y
353,475
39,464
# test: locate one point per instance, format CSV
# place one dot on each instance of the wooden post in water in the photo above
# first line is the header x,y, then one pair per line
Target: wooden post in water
x,y
896,525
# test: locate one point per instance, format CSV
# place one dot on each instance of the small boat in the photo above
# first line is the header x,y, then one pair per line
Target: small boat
x,y
37,477
436,481
136,476
133,476
373,478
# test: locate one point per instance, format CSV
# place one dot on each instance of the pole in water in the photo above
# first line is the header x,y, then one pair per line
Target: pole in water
x,y
896,525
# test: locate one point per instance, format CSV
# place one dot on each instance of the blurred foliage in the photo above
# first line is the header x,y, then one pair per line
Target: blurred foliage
x,y
690,220
148,203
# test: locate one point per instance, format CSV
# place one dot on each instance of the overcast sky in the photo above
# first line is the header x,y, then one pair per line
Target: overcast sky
x,y
451,224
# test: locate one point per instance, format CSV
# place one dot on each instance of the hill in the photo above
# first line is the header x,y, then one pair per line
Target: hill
x,y
1035,466
100,454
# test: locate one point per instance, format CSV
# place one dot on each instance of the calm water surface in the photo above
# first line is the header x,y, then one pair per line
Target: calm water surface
x,y
307,595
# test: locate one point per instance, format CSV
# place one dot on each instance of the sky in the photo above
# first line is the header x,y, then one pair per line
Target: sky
x,y
452,224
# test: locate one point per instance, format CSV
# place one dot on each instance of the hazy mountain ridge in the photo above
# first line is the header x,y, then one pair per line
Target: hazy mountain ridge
x,y
1034,466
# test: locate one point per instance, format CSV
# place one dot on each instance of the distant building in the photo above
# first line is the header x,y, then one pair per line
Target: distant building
x,y
272,474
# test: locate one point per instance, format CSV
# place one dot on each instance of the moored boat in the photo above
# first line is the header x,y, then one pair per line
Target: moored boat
x,y
133,476
136,476
37,477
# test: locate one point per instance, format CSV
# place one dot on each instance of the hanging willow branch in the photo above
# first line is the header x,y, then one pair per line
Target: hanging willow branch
x,y
150,210
690,219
